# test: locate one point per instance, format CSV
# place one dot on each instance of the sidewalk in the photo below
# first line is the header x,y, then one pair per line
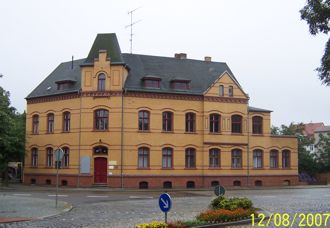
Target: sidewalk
x,y
19,208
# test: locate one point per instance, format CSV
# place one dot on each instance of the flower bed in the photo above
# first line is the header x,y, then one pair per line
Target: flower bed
x,y
221,210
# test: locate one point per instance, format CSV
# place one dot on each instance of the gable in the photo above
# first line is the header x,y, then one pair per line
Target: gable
x,y
227,81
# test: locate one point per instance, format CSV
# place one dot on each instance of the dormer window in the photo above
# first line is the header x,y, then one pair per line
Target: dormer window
x,y
231,91
65,84
151,82
180,84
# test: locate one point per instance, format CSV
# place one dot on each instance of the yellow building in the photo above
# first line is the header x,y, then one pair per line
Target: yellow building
x,y
140,121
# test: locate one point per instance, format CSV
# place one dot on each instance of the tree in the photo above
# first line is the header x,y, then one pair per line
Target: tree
x,y
317,15
323,151
12,134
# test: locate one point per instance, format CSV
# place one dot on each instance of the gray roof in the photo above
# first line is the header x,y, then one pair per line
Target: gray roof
x,y
64,72
323,129
109,43
200,73
253,109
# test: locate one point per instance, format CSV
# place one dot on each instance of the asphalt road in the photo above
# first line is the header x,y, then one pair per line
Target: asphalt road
x,y
128,208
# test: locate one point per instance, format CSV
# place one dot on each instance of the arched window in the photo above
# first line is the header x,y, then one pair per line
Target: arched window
x,y
231,91
144,120
66,157
101,119
101,82
167,157
258,183
214,123
214,158
273,159
215,183
167,184
66,121
237,183
257,125
34,157
50,123
143,185
167,121
285,159
190,122
236,158
221,91
49,157
257,159
35,124
143,157
236,124
190,184
190,158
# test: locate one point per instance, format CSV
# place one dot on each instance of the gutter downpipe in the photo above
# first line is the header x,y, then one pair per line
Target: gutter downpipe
x,y
79,139
248,146
122,141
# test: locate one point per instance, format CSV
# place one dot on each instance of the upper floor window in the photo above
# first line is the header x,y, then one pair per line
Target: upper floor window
x,y
190,157
50,123
34,157
151,82
144,120
214,158
101,119
66,157
214,123
236,124
231,91
49,157
221,91
35,124
143,157
167,121
273,159
236,158
180,84
257,159
167,157
101,82
257,125
66,121
190,122
285,159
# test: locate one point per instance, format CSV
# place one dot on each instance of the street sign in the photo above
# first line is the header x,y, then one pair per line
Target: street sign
x,y
59,154
219,190
165,202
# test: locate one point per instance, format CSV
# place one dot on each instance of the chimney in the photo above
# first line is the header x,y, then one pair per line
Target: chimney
x,y
207,58
180,55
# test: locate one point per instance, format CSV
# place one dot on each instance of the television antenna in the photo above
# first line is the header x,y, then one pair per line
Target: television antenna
x,y
131,26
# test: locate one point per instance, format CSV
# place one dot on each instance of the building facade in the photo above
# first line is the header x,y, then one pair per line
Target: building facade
x,y
140,121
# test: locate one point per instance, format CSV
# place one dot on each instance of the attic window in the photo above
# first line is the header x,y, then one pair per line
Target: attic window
x,y
180,84
64,84
151,82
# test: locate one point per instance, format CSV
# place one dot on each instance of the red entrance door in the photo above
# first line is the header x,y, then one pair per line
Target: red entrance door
x,y
100,170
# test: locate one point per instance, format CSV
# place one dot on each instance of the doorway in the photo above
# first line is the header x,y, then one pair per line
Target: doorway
x,y
100,170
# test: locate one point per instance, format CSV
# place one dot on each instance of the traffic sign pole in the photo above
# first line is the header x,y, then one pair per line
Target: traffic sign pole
x,y
58,157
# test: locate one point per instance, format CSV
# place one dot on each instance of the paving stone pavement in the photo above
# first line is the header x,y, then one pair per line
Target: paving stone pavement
x,y
126,214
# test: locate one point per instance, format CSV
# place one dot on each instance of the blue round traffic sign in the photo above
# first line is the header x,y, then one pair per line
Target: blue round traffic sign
x,y
165,202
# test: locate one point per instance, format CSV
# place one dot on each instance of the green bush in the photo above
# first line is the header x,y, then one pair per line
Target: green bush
x,y
187,224
222,202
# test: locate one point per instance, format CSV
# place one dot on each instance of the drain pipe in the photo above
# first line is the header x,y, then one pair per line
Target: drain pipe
x,y
122,141
248,147
79,139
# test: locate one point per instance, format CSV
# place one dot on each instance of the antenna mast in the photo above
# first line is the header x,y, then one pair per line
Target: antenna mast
x,y
131,26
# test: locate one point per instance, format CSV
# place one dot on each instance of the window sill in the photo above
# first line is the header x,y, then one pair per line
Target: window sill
x,y
96,130
140,168
34,133
274,168
168,132
258,168
236,168
192,168
144,131
257,134
65,132
191,132
214,168
49,133
215,133
236,134
287,168
167,168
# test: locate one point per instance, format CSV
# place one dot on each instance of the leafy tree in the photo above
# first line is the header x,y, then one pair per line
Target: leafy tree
x,y
12,134
323,151
317,15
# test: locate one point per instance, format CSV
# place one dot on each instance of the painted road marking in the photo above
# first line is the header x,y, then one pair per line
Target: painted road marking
x,y
97,196
140,197
58,195
21,194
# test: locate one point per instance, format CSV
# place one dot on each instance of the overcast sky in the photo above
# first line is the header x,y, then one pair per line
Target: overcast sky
x,y
264,42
